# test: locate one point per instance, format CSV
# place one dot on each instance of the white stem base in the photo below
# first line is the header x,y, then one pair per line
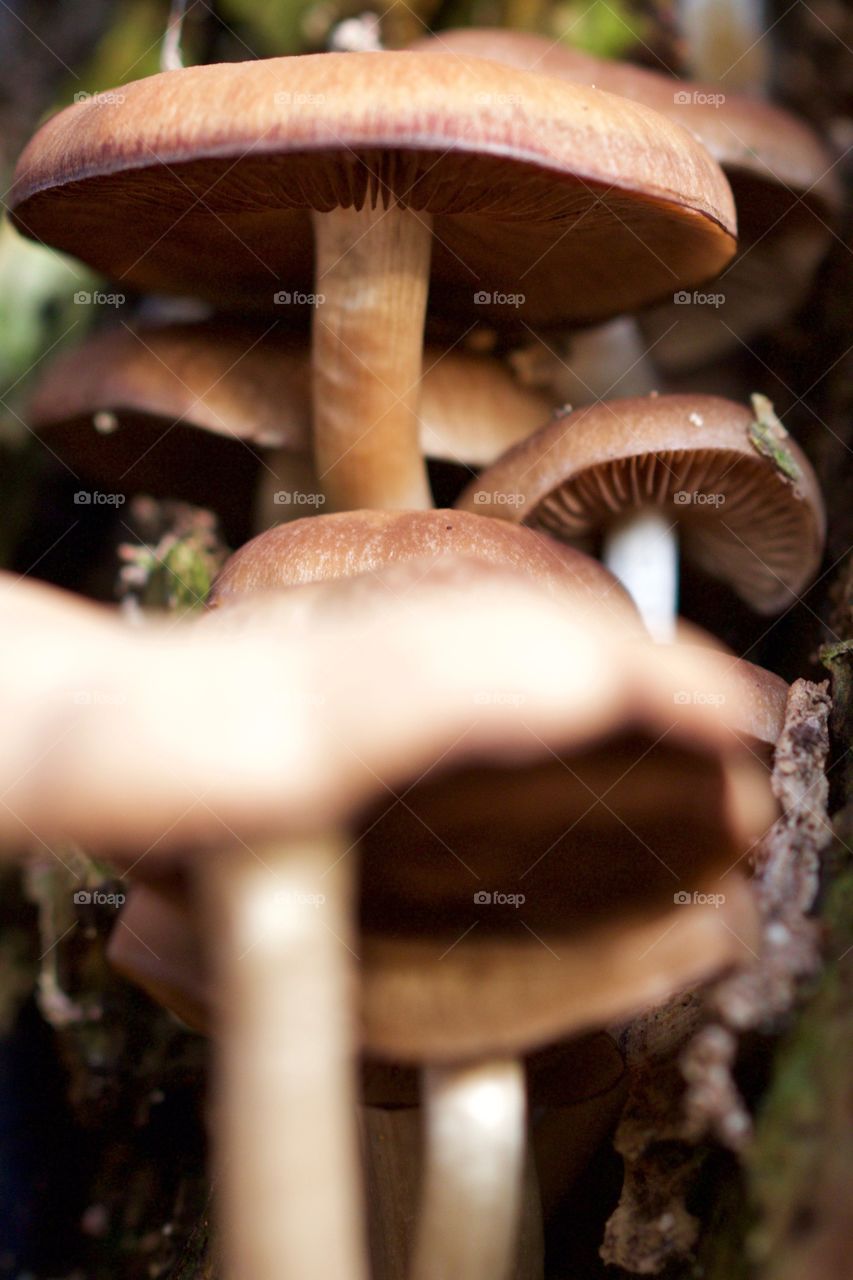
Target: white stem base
x,y
642,551
476,1138
288,1143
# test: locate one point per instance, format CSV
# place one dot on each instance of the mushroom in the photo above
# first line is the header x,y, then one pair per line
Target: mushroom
x,y
781,174
436,989
629,473
126,408
412,170
352,543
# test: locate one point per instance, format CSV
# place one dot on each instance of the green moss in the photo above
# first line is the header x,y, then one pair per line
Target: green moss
x,y
769,437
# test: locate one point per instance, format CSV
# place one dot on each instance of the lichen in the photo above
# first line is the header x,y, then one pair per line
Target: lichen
x,y
769,438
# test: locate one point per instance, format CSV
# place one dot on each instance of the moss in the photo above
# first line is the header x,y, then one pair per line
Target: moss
x,y
769,437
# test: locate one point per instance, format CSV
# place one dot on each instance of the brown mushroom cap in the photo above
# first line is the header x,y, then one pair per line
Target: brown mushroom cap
x,y
782,176
773,160
743,494
250,385
217,166
347,544
420,1002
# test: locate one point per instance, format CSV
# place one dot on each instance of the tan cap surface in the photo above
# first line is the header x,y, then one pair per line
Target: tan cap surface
x,y
199,181
248,383
347,544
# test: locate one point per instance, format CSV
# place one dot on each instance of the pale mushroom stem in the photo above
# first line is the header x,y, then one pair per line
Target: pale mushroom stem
x,y
476,1138
724,42
372,277
288,1166
642,551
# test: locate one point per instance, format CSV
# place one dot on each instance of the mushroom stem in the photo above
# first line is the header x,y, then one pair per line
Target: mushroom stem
x,y
476,1139
642,551
288,1157
372,273
724,42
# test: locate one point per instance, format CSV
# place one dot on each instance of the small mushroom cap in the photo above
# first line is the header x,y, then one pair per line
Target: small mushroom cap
x,y
221,164
250,385
740,489
772,159
347,544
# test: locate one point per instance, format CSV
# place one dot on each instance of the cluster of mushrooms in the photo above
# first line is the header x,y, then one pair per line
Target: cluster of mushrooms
x,y
427,803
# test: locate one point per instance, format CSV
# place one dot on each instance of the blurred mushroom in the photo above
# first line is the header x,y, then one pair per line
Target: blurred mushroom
x,y
127,408
629,473
410,168
781,174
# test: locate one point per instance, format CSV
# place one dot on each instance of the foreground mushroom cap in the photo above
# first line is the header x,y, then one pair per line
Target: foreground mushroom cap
x,y
322,548
420,1002
119,743
743,494
232,156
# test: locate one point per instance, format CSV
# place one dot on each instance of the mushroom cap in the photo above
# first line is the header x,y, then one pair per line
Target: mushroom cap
x,y
742,492
229,159
119,745
421,1002
772,159
319,549
250,385
424,1002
